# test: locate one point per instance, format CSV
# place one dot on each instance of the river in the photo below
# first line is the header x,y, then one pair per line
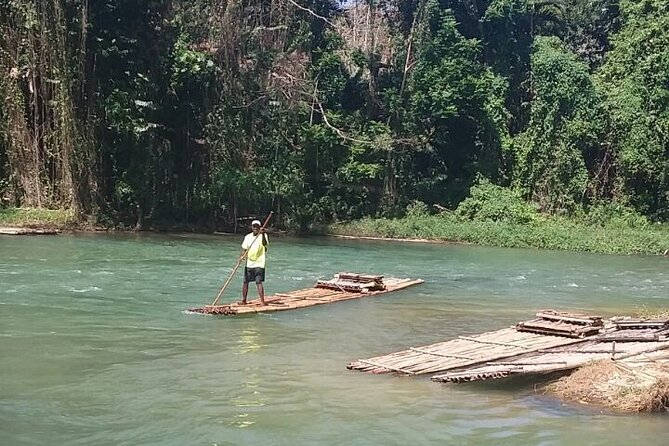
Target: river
x,y
95,348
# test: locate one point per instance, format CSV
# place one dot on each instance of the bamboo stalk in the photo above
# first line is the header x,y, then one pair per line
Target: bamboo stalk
x,y
662,346
505,363
588,320
504,344
440,354
380,366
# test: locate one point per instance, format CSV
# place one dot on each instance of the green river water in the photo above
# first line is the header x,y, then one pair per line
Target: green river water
x,y
95,348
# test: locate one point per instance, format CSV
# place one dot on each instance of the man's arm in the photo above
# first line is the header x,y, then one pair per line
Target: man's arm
x,y
264,239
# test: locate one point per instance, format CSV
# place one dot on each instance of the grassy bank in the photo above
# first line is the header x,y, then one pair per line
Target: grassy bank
x,y
553,233
544,233
37,218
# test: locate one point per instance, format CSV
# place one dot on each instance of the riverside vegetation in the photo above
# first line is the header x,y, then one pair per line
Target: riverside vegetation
x,y
56,218
492,216
413,118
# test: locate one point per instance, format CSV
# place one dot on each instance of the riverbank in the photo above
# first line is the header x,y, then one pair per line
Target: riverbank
x,y
67,220
39,219
549,233
12,230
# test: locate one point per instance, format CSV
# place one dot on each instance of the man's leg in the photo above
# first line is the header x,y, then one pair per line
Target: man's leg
x,y
245,287
260,278
245,291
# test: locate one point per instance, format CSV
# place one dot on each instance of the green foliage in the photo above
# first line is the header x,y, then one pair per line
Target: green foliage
x,y
490,202
417,209
448,106
616,215
45,151
206,112
37,217
356,170
589,25
555,233
190,68
635,83
329,72
563,130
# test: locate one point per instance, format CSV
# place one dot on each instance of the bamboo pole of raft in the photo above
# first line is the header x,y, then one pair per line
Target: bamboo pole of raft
x,y
503,344
240,259
420,350
388,367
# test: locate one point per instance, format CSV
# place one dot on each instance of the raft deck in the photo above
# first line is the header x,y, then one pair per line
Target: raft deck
x,y
554,341
621,340
553,360
344,286
461,352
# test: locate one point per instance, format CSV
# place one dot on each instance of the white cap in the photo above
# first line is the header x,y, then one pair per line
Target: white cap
x,y
255,223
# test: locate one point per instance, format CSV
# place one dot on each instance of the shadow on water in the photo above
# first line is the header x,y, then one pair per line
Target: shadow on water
x,y
528,390
517,383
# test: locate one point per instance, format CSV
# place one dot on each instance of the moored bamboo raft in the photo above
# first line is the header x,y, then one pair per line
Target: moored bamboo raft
x,y
27,231
461,352
318,295
553,360
629,323
551,342
649,334
628,330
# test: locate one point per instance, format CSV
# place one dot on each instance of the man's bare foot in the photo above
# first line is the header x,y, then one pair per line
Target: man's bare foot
x,y
263,303
241,302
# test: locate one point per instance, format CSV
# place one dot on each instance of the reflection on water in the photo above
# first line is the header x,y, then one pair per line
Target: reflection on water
x,y
248,397
248,342
96,348
249,394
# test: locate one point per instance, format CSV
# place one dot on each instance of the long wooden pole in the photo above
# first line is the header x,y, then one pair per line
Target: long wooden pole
x,y
239,260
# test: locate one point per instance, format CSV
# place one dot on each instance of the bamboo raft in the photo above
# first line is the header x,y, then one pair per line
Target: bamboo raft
x,y
343,286
638,330
553,360
550,322
461,352
27,231
554,341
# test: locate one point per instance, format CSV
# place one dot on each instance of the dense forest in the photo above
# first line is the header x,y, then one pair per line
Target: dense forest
x,y
205,111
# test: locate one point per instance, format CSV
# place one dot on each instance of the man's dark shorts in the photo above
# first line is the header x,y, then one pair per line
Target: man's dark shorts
x,y
256,275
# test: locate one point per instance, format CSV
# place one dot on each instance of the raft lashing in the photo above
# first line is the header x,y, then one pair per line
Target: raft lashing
x,y
343,286
554,341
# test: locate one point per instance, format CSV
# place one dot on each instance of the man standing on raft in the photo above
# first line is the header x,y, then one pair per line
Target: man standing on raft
x,y
255,246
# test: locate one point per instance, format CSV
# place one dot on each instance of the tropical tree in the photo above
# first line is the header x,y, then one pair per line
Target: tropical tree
x,y
551,155
635,83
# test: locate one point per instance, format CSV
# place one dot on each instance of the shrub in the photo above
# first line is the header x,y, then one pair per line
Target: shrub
x,y
37,217
417,209
616,215
490,202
